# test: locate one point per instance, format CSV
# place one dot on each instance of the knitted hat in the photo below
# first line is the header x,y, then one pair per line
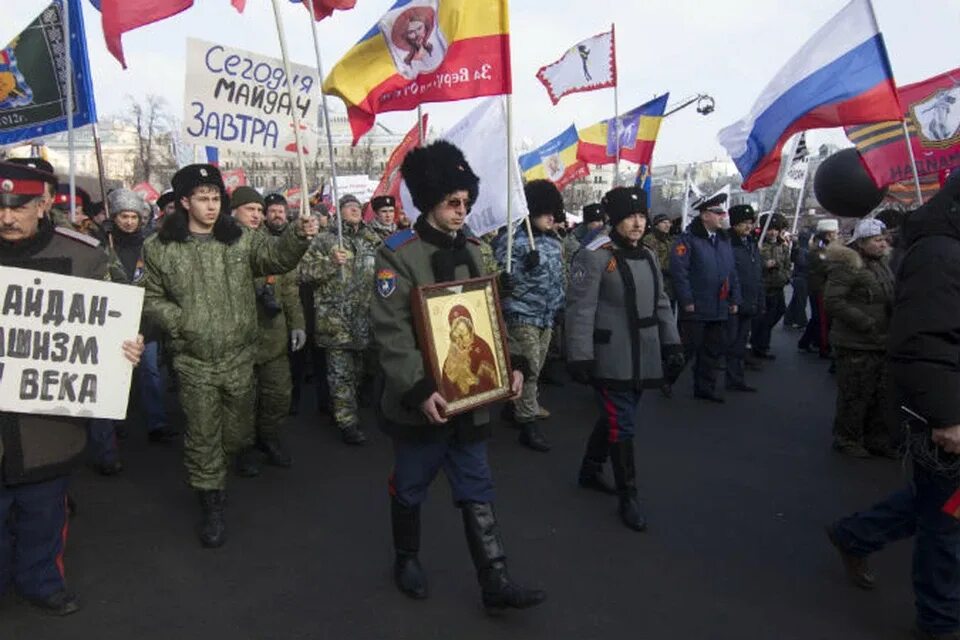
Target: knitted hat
x,y
120,200
245,195
434,172
660,217
349,199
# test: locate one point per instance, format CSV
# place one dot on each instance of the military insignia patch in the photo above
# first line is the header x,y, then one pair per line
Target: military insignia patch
x,y
578,274
612,265
681,250
386,282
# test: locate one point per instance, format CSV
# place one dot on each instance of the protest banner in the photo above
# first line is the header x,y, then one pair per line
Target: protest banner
x,y
357,185
233,178
60,344
236,98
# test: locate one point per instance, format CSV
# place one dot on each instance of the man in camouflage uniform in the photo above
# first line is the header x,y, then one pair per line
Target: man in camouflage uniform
x,y
200,271
775,254
343,281
281,318
384,212
659,240
535,298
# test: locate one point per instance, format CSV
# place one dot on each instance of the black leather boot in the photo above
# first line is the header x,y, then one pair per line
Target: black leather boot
x,y
625,475
532,438
248,463
486,549
277,454
213,528
591,469
407,572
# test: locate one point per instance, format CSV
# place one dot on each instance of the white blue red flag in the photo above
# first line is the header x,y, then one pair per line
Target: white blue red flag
x,y
840,77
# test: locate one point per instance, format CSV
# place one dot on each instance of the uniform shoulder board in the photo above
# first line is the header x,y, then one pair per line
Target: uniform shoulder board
x,y
475,241
600,241
76,235
396,240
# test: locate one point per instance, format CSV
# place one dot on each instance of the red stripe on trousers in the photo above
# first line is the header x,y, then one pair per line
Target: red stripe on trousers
x,y
611,410
391,484
63,538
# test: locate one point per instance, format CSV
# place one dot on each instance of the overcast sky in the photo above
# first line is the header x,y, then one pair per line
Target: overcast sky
x,y
727,48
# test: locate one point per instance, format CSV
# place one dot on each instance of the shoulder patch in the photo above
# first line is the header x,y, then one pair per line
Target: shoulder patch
x,y
386,282
680,249
76,235
396,240
601,240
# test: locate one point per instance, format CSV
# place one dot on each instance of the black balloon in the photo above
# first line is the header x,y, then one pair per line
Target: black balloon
x,y
844,188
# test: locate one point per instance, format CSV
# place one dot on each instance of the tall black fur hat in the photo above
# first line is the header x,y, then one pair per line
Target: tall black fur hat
x,y
193,175
543,198
434,172
592,213
622,202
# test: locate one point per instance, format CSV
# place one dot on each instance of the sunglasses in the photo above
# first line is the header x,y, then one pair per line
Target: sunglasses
x,y
456,203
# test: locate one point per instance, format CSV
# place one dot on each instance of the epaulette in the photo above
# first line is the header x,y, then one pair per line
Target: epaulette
x,y
599,242
396,240
475,241
76,235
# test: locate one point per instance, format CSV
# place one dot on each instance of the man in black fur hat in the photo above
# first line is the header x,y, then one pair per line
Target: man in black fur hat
x,y
443,187
200,271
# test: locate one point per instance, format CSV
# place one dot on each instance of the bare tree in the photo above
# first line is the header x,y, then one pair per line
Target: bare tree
x,y
366,157
152,122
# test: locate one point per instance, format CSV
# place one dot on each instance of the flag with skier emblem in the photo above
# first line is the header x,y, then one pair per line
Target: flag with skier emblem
x,y
586,66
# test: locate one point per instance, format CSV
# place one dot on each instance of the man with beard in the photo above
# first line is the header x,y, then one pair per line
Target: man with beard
x,y
281,325
275,213
384,212
200,291
37,452
412,405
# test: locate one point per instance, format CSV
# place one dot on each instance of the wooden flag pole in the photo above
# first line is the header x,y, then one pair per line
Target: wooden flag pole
x,y
100,172
509,263
420,124
304,205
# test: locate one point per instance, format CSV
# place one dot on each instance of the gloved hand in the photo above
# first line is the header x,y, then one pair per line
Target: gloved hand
x,y
581,371
531,260
674,360
298,338
505,284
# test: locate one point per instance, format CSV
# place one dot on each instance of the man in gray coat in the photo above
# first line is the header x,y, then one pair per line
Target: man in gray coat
x,y
621,335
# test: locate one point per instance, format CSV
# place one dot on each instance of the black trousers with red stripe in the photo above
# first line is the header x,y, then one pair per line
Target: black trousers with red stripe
x,y
619,413
33,534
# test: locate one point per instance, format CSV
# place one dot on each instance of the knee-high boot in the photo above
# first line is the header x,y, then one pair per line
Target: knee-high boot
x,y
625,475
490,560
591,469
407,572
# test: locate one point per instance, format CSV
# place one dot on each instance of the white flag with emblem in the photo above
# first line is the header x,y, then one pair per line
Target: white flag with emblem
x,y
796,174
586,66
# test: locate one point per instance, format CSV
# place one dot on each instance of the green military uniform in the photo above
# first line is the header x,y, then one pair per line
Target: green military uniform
x,y
272,370
342,311
859,299
384,231
200,292
661,244
776,277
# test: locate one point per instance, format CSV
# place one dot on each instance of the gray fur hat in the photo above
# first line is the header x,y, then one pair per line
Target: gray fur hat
x,y
127,200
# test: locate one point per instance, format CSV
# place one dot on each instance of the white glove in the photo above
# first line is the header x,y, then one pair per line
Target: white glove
x,y
298,338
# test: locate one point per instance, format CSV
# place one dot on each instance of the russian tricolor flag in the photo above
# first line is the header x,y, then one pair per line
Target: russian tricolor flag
x,y
840,77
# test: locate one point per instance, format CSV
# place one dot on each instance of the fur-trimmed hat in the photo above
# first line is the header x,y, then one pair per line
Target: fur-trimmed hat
x,y
166,198
126,200
622,202
543,198
742,213
434,172
778,223
592,213
273,198
383,201
192,176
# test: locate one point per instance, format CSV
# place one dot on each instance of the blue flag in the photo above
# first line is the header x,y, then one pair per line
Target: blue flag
x,y
645,181
33,103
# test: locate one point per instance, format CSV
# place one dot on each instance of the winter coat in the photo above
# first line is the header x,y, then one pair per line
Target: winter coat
x,y
538,294
924,346
705,273
409,259
858,298
775,278
817,270
128,249
661,244
618,317
746,254
341,298
33,447
200,290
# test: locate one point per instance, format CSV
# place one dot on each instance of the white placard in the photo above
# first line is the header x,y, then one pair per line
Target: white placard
x,y
236,98
60,344
357,185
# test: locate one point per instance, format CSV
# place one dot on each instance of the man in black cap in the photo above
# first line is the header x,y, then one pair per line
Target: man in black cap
x,y
776,274
412,407
658,239
708,292
200,272
37,452
750,273
166,203
621,337
592,223
384,222
275,213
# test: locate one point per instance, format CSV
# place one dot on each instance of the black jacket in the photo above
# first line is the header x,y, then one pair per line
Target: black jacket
x,y
924,344
746,255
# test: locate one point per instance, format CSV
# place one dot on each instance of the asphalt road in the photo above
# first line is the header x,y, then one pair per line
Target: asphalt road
x,y
737,496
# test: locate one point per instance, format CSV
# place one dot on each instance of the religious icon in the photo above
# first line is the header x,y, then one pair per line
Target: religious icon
x,y
938,118
414,38
461,334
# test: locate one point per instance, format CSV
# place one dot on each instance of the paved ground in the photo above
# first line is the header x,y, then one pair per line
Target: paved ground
x,y
736,495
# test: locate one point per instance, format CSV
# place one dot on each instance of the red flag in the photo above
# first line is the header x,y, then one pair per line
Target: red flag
x,y
324,8
932,111
239,5
146,191
390,182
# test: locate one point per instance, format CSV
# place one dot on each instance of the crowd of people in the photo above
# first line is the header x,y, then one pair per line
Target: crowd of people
x,y
242,298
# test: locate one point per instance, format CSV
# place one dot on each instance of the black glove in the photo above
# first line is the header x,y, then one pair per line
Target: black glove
x,y
581,371
268,300
531,260
674,360
505,284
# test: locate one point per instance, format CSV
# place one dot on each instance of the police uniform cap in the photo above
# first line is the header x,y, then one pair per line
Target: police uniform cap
x,y
62,199
192,176
713,204
383,201
19,184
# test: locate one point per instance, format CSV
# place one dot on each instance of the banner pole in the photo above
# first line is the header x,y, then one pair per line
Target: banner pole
x,y
779,193
420,125
616,109
913,163
71,148
803,189
326,126
100,173
304,206
509,263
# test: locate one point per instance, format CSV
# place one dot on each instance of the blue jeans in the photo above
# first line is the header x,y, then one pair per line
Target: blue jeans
x,y
916,511
619,413
103,440
150,384
415,465
33,533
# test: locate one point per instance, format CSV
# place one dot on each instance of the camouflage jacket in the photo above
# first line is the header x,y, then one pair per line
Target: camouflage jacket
x,y
342,302
661,244
778,276
200,292
538,294
275,328
382,230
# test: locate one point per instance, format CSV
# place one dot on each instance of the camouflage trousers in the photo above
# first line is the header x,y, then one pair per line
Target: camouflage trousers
x,y
274,387
861,399
344,374
533,344
218,400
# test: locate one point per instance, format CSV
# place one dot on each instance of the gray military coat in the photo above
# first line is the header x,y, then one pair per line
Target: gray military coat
x,y
618,316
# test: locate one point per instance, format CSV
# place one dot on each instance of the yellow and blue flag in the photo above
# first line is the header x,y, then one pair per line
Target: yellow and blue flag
x,y
555,161
638,135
